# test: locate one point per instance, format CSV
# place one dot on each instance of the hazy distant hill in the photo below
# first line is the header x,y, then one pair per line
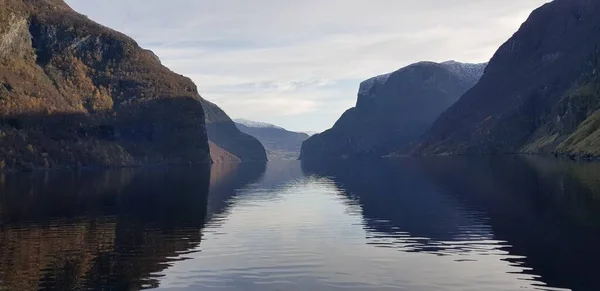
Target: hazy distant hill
x,y
279,142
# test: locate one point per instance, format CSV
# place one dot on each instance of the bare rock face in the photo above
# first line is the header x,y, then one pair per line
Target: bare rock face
x,y
15,39
393,110
220,156
74,93
539,94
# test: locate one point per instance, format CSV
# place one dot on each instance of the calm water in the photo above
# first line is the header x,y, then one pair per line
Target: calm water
x,y
516,223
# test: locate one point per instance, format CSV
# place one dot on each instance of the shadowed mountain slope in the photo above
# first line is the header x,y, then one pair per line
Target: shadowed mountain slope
x,y
540,92
393,110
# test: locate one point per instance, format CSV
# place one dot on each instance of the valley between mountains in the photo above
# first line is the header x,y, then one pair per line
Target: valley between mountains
x,y
74,93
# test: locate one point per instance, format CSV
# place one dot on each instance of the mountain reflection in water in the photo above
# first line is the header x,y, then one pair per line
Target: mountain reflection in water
x,y
451,223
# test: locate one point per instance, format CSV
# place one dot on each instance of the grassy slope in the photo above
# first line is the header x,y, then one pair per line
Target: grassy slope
x,y
575,129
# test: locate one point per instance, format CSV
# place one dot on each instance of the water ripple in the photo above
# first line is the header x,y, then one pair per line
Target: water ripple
x,y
280,228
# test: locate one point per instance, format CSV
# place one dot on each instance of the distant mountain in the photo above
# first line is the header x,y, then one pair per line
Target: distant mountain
x,y
393,110
539,94
310,133
227,142
255,124
279,142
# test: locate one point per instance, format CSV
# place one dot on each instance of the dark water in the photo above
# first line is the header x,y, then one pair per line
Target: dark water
x,y
511,223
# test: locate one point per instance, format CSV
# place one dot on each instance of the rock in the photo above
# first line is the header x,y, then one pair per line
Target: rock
x,y
223,133
393,110
80,94
84,95
539,94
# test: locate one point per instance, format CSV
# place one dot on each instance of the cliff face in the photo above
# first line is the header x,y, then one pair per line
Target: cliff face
x,y
75,93
236,146
394,110
539,94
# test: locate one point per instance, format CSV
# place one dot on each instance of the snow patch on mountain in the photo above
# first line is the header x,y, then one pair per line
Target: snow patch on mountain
x,y
465,71
367,85
469,72
255,124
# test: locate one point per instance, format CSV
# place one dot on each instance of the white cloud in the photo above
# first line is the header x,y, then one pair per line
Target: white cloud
x,y
298,63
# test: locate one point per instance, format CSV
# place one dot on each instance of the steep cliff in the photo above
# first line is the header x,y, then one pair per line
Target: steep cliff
x,y
237,146
75,93
539,94
393,110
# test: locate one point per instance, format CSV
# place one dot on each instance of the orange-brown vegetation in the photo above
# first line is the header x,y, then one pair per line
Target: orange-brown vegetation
x,y
75,93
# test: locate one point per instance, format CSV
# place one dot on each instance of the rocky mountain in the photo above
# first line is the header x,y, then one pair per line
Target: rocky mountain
x,y
539,94
75,93
281,144
393,110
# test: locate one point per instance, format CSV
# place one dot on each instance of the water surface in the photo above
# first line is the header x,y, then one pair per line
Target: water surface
x,y
515,223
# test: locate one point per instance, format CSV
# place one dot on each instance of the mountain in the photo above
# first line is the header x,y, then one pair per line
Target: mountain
x,y
393,110
227,139
254,124
281,144
539,94
310,133
74,93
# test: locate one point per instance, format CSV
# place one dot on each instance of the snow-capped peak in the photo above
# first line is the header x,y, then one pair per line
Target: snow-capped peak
x,y
367,85
466,71
255,124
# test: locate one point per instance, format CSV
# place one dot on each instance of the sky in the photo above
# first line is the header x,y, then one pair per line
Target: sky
x,y
298,63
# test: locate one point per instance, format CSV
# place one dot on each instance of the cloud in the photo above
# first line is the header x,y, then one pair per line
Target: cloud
x,y
298,63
